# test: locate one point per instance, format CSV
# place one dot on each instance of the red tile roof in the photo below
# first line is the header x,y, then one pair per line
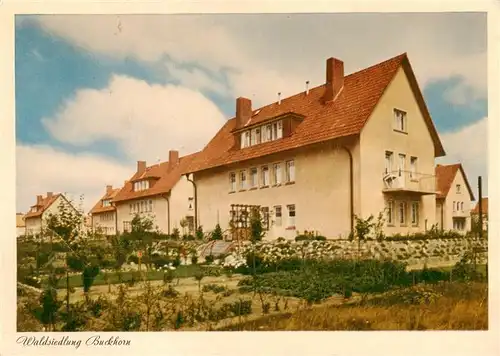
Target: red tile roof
x,y
484,204
42,206
343,117
165,179
445,174
98,208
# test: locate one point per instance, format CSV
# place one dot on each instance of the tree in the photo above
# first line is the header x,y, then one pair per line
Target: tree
x,y
217,233
199,233
256,226
363,229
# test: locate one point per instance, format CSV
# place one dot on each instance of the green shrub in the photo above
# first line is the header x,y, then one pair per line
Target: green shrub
x,y
320,238
133,258
209,259
302,238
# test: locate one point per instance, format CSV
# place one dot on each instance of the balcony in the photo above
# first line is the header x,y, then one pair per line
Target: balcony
x,y
406,182
461,213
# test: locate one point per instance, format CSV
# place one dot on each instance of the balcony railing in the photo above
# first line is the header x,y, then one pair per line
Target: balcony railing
x,y
408,181
461,213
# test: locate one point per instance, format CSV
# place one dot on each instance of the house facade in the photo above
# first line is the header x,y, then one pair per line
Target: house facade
x,y
454,198
358,145
484,211
159,192
103,215
35,219
20,225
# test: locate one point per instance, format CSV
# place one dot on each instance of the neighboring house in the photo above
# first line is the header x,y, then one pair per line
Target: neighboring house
x,y
159,192
103,214
358,145
20,225
453,199
45,206
484,206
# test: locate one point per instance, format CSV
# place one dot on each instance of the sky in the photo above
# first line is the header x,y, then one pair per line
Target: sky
x,y
96,93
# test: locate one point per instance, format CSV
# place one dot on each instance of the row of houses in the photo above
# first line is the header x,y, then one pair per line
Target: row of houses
x,y
357,145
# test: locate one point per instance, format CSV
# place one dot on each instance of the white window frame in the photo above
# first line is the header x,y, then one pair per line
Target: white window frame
x,y
292,214
265,176
254,177
268,133
402,212
413,167
390,213
277,174
389,161
290,171
258,135
401,164
415,212
279,133
278,215
400,120
243,179
232,182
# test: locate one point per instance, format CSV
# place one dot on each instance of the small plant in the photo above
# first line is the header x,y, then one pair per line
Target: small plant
x,y
199,233
217,233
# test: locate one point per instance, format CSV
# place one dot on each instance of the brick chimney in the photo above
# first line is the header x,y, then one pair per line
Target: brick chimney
x,y
334,78
243,111
141,167
109,188
49,194
173,159
39,200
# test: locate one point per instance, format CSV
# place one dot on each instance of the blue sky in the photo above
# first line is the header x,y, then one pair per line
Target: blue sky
x,y
85,85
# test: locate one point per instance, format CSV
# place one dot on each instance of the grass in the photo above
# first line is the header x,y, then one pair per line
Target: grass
x,y
459,306
75,281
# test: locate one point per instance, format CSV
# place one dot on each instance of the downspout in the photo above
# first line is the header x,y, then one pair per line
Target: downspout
x,y
195,202
351,187
167,198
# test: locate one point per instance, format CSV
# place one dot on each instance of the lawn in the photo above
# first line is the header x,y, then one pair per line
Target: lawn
x,y
75,281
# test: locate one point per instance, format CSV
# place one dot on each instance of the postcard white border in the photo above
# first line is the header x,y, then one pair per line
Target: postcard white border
x,y
246,343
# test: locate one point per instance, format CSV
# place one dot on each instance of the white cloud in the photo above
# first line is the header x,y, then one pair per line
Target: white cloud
x,y
266,54
195,79
469,146
42,169
145,120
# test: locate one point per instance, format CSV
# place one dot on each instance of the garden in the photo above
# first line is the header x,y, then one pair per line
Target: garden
x,y
70,280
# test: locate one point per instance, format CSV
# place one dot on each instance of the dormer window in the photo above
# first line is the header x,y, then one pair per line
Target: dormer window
x,y
261,134
106,203
141,185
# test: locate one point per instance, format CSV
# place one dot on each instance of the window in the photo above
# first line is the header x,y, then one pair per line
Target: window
x,y
388,161
142,206
268,133
131,209
106,203
414,213
142,185
462,206
253,138
150,206
291,215
280,130
399,120
459,189
277,173
232,182
243,180
277,215
253,178
402,164
390,212
265,176
413,167
454,206
258,137
247,138
190,203
264,212
459,224
290,171
402,213
126,226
